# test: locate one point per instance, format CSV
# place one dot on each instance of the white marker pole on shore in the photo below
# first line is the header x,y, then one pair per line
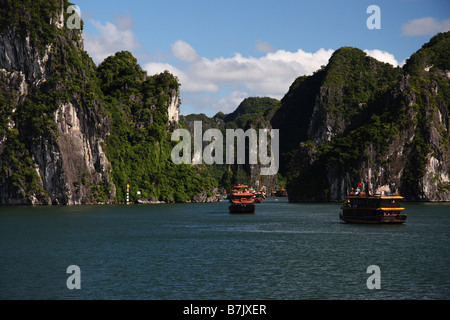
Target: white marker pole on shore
x,y
128,193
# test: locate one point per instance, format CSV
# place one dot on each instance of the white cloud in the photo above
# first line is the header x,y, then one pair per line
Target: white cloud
x,y
158,67
383,56
238,77
184,52
218,84
110,39
188,84
270,74
425,26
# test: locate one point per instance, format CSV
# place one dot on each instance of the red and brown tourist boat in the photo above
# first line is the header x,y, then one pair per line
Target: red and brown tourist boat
x,y
242,200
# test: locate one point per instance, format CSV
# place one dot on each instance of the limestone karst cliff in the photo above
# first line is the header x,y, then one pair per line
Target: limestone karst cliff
x,y
66,123
53,128
360,120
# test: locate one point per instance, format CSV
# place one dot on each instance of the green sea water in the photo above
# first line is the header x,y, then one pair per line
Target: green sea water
x,y
199,251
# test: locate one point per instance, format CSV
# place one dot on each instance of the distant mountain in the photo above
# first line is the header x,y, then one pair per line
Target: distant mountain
x,y
358,119
252,113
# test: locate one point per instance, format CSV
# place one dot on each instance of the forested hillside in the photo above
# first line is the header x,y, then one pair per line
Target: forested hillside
x,y
73,132
362,120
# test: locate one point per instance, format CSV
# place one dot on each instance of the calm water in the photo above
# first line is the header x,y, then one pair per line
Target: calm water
x,y
200,251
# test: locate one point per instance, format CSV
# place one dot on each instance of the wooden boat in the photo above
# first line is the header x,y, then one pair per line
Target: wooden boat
x,y
259,196
241,200
281,193
373,208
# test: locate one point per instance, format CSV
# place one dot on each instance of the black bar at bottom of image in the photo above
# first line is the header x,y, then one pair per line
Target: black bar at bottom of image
x,y
210,309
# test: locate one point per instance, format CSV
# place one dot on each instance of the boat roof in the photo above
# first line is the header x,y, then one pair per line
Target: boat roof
x,y
374,196
239,186
242,194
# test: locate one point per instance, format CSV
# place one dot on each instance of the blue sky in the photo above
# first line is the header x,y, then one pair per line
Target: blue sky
x,y
226,50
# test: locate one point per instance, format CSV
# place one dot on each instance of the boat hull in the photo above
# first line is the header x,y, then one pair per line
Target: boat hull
x,y
373,219
242,208
375,209
258,200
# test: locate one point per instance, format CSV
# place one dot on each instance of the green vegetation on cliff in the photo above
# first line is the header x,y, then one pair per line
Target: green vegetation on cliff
x,y
331,97
115,106
357,113
139,145
34,19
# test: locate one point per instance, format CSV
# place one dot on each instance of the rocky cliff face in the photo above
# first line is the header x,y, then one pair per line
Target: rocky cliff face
x,y
372,123
65,152
174,108
72,132
414,162
18,54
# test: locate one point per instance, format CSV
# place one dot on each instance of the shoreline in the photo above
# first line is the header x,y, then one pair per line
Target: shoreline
x,y
195,202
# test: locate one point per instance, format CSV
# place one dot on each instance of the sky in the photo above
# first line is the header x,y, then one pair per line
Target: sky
x,y
223,51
